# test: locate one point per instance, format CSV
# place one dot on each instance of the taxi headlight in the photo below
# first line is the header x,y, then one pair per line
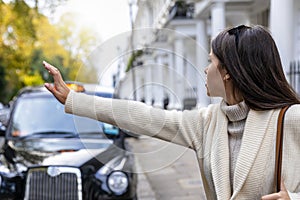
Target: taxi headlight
x,y
118,182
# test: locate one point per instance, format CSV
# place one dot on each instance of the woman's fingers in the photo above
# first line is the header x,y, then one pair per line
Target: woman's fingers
x,y
49,87
60,90
283,194
273,196
54,72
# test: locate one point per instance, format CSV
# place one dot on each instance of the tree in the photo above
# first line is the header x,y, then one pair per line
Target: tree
x,y
3,81
47,47
17,40
42,5
27,38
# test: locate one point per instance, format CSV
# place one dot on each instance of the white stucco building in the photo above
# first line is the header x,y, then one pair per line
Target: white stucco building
x,y
175,37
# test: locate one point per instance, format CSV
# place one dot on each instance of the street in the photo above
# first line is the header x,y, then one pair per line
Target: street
x,y
166,171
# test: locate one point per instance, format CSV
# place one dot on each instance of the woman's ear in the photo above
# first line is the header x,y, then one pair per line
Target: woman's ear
x,y
226,77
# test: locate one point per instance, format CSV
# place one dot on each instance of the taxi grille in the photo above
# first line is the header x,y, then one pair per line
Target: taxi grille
x,y
53,183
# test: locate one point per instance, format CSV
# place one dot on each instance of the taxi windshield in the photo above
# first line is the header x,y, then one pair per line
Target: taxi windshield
x,y
44,116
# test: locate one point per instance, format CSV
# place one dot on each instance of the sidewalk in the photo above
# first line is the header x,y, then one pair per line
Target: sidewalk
x,y
166,171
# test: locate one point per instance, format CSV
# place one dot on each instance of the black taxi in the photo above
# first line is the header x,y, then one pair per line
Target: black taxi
x,y
48,154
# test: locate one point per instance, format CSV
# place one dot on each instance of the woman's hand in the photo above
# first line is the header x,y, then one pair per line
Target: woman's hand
x,y
60,90
282,195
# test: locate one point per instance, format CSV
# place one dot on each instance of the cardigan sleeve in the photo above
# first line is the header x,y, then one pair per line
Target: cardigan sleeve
x,y
183,128
291,151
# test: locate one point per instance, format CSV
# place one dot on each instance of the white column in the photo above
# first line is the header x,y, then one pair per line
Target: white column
x,y
139,84
158,81
281,26
202,50
172,82
148,81
218,22
179,76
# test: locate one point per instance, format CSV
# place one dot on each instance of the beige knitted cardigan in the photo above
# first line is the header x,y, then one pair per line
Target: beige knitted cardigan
x,y
205,131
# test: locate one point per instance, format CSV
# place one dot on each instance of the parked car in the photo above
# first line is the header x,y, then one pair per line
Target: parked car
x,y
49,154
4,115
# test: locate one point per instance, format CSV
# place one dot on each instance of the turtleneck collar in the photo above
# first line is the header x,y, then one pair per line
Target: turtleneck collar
x,y
235,112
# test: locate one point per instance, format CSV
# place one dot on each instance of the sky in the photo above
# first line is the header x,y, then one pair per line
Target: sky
x,y
109,19
106,17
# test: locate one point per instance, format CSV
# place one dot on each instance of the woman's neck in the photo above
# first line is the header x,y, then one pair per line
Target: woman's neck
x,y
232,99
232,94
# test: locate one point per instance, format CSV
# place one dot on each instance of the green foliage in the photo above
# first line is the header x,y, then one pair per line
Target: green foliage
x,y
3,81
27,38
132,59
34,79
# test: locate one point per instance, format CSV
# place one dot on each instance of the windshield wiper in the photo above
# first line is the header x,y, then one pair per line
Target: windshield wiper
x,y
50,134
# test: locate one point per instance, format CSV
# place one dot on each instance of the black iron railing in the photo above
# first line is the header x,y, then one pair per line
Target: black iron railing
x,y
294,75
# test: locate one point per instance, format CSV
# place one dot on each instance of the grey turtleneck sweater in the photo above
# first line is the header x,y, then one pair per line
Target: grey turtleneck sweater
x,y
236,115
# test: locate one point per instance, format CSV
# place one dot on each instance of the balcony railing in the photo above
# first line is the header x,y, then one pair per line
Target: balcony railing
x,y
182,10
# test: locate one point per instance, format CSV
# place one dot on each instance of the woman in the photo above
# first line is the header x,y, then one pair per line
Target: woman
x,y
234,140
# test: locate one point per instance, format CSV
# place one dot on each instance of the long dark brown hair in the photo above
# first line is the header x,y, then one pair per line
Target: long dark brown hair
x,y
250,56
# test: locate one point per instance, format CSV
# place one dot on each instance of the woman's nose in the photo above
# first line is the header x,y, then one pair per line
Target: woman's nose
x,y
205,70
